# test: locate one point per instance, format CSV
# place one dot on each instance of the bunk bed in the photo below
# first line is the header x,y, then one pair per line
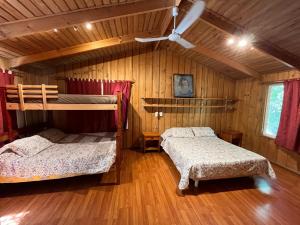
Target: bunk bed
x,y
46,97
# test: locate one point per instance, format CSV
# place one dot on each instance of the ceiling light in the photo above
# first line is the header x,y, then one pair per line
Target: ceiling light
x,y
75,28
230,41
88,26
243,42
55,30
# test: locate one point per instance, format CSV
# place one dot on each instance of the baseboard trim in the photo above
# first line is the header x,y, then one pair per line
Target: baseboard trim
x,y
277,164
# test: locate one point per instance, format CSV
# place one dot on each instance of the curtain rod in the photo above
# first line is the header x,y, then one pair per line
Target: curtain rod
x,y
63,78
279,81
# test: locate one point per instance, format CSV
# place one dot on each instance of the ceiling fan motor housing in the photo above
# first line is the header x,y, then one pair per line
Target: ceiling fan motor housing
x,y
174,36
175,11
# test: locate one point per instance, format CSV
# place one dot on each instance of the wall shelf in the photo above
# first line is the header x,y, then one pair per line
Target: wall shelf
x,y
197,99
181,106
217,103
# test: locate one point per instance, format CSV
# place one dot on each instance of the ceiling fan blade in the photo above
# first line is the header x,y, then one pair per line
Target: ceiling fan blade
x,y
151,39
184,43
193,14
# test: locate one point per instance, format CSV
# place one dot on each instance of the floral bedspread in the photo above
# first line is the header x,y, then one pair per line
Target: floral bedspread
x,y
205,158
88,156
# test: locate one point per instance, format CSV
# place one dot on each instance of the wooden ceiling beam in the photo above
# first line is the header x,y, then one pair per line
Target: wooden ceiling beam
x,y
221,23
46,23
19,61
225,60
166,23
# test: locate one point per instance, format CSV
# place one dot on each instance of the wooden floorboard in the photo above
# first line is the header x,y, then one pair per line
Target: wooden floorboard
x,y
147,196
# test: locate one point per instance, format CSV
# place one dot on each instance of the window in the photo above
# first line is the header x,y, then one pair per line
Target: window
x,y
273,110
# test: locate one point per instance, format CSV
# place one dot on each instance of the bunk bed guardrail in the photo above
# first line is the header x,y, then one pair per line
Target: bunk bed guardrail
x,y
43,96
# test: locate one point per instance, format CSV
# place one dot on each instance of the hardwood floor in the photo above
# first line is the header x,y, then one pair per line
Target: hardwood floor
x,y
147,196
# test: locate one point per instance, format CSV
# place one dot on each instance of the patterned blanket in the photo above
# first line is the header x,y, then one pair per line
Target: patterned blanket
x,y
90,154
205,158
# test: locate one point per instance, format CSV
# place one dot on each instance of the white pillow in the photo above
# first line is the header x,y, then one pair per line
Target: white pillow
x,y
203,132
52,134
178,132
28,146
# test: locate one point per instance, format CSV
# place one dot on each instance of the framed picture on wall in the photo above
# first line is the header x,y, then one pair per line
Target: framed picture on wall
x,y
183,86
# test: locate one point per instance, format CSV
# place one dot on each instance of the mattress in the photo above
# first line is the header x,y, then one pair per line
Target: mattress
x,y
91,154
206,158
74,99
88,138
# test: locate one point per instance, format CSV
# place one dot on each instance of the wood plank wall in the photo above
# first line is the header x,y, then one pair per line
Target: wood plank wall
x,y
248,118
29,75
152,72
3,63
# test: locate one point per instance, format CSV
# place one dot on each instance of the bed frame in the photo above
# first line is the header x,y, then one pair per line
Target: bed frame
x,y
44,92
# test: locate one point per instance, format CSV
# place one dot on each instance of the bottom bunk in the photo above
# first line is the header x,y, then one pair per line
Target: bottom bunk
x,y
53,154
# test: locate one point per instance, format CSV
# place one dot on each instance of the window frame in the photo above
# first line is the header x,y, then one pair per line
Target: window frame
x,y
267,109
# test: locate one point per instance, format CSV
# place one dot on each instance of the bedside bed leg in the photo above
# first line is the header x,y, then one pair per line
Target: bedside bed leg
x,y
196,183
179,192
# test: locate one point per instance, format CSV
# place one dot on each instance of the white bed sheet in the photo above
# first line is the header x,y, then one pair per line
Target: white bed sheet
x,y
206,158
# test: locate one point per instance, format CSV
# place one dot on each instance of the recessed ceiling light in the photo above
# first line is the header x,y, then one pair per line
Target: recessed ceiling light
x,y
88,26
75,28
243,42
230,41
55,30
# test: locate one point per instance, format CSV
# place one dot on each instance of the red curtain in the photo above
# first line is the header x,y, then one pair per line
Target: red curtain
x,y
5,118
288,135
96,121
112,88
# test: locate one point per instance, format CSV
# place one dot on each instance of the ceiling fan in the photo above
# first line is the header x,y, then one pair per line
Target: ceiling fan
x,y
193,14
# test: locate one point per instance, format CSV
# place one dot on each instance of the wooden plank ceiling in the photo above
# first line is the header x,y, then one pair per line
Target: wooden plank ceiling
x,y
274,21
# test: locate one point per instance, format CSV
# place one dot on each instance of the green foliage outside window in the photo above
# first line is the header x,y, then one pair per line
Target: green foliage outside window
x,y
273,111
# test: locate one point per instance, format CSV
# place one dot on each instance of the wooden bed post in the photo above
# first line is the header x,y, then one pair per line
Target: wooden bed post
x,y
119,138
21,97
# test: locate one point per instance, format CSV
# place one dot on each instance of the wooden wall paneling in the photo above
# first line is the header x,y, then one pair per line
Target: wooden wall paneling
x,y
135,98
31,76
226,88
206,110
200,92
193,111
180,110
148,90
229,90
155,86
162,86
175,68
128,76
215,94
209,94
249,116
152,72
214,91
220,92
3,63
168,93
142,88
187,111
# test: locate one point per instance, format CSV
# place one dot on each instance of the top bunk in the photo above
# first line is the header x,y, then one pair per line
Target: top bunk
x,y
46,97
